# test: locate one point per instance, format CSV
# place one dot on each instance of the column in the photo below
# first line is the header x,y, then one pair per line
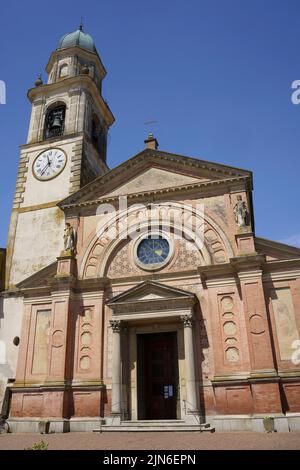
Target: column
x,y
116,368
191,389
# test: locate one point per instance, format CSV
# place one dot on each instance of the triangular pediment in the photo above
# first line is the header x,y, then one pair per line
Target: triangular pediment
x,y
150,291
152,170
151,179
275,250
42,278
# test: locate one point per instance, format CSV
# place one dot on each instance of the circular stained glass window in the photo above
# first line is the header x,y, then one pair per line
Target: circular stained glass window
x,y
153,251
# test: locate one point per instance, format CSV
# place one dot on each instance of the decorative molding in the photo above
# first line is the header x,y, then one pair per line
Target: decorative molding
x,y
38,207
74,91
159,313
39,101
181,164
85,82
251,275
97,254
21,387
282,275
250,262
220,282
289,373
38,301
187,320
184,258
245,377
151,307
151,299
38,145
116,325
281,250
159,276
194,187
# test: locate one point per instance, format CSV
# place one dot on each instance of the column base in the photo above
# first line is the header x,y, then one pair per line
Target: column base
x,y
114,419
192,417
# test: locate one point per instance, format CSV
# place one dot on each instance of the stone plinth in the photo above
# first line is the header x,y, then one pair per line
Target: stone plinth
x,y
66,264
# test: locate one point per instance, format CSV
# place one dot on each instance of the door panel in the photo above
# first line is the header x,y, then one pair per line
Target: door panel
x,y
158,357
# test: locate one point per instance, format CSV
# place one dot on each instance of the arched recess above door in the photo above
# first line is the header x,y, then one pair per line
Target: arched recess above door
x,y
208,237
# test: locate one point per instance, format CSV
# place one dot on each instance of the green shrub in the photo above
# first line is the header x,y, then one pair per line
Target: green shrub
x,y
42,445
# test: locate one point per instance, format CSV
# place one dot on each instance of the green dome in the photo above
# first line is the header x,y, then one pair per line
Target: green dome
x,y
77,38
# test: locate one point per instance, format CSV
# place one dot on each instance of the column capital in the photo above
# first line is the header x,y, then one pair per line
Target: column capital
x,y
187,320
115,325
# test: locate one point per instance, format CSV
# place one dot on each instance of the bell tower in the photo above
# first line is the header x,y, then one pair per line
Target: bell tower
x,y
65,149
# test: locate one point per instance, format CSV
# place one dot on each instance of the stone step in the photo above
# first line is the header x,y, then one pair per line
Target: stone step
x,y
155,426
152,422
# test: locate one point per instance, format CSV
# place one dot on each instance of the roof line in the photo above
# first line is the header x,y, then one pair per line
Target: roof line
x,y
170,189
157,153
277,243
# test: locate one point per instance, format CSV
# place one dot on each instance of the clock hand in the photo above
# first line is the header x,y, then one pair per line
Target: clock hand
x,y
44,169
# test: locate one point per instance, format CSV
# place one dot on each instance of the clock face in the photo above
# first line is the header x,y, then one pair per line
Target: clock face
x,y
153,251
49,164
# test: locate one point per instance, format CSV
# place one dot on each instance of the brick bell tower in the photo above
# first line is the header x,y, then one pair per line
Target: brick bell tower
x,y
65,149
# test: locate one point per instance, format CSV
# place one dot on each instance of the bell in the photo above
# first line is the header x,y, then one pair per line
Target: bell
x,y
56,123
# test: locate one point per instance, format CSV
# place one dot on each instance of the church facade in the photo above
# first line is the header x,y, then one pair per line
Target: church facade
x,y
138,297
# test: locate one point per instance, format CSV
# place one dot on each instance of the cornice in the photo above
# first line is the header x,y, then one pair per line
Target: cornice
x,y
62,284
92,284
53,141
279,248
151,306
150,158
46,205
78,80
41,299
281,270
246,377
281,264
191,275
12,292
193,187
248,262
208,276
73,51
28,386
216,270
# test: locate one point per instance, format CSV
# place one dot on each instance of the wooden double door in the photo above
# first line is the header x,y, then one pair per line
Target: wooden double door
x,y
157,376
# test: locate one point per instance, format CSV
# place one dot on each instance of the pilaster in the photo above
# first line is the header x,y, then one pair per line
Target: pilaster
x,y
263,374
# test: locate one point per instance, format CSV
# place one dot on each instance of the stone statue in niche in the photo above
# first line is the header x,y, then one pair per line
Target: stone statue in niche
x,y
69,238
241,212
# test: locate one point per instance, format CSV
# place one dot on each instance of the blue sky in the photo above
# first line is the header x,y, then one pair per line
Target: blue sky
x,y
215,74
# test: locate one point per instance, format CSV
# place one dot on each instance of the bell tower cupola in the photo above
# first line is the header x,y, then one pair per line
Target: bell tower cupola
x,y
76,53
